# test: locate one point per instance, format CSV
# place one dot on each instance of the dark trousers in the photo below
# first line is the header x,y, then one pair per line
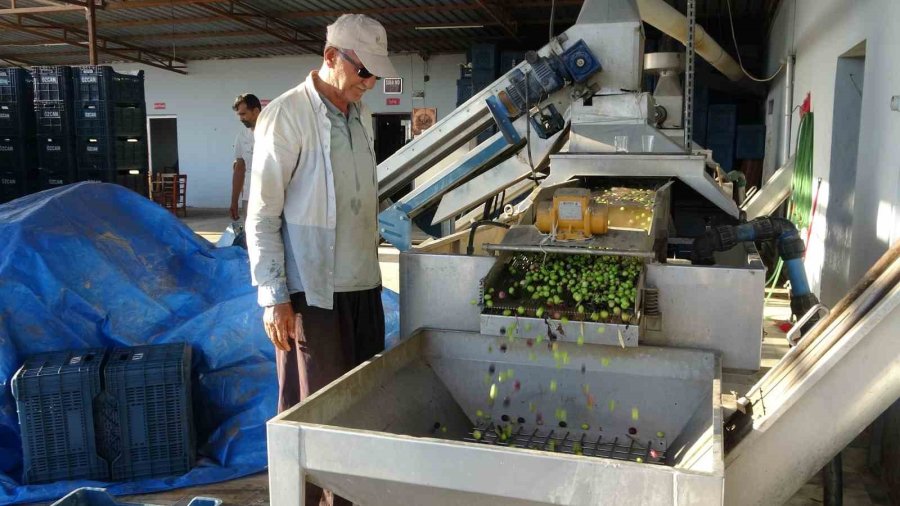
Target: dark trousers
x,y
335,341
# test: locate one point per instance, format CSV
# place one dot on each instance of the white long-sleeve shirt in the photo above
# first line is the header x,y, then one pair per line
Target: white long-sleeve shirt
x,y
291,218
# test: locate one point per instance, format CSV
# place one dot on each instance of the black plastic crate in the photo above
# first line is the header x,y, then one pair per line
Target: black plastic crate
x,y
55,395
149,428
16,102
47,180
98,118
98,176
94,154
56,154
18,154
12,186
52,83
131,153
18,167
135,180
54,118
111,154
130,120
102,83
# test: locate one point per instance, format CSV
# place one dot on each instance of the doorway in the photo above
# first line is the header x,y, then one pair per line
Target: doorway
x,y
163,144
392,131
839,247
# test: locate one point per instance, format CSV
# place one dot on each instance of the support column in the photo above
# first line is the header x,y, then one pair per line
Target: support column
x,y
90,17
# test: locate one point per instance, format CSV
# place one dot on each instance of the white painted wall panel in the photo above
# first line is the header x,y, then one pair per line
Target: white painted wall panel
x,y
819,32
207,126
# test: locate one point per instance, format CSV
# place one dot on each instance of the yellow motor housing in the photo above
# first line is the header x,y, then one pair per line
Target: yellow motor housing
x,y
575,215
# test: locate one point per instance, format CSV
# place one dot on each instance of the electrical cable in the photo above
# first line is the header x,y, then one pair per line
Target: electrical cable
x,y
552,16
738,52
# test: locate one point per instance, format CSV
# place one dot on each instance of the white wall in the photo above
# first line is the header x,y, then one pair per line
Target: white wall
x,y
819,32
207,126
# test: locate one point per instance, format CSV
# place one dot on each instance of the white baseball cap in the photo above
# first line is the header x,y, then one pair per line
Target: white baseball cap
x,y
367,38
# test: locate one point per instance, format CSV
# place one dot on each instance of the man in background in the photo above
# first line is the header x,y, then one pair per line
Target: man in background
x,y
247,107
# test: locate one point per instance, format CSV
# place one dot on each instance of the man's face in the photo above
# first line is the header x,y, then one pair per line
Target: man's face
x,y
347,81
247,116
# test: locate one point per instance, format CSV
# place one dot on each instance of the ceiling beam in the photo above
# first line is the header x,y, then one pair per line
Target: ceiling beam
x,y
415,43
415,9
386,11
217,34
499,15
144,4
18,61
17,11
264,24
187,20
126,52
102,42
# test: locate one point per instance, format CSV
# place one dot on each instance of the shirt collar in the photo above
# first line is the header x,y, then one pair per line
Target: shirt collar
x,y
319,101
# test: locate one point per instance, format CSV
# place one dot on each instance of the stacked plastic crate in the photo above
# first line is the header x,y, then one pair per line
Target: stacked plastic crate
x,y
110,127
55,128
55,395
18,162
147,409
93,414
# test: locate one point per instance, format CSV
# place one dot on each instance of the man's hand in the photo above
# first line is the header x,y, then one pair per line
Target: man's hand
x,y
282,325
235,213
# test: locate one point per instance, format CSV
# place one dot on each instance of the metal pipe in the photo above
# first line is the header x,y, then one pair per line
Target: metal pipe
x,y
674,24
833,477
788,109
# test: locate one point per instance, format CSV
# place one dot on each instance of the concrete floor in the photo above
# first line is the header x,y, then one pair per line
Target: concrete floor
x,y
861,487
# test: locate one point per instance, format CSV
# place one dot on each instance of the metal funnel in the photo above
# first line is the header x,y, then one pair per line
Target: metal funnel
x,y
567,424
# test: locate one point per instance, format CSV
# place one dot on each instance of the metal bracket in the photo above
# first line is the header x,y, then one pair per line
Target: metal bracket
x,y
792,335
395,227
395,224
501,118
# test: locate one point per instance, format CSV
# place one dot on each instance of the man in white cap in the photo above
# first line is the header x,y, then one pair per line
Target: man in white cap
x,y
311,225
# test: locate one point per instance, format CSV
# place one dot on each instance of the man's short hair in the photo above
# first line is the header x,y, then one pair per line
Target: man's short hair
x,y
247,98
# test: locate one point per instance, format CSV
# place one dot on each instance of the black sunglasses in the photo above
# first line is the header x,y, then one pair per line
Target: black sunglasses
x,y
361,71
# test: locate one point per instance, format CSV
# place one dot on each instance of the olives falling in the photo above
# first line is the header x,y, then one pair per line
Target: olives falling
x,y
598,288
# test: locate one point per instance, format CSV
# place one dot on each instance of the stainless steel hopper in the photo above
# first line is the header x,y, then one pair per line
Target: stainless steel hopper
x,y
418,425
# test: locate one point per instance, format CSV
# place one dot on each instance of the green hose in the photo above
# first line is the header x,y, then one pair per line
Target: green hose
x,y
800,207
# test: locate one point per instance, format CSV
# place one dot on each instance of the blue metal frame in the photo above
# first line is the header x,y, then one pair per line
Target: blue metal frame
x,y
395,223
501,118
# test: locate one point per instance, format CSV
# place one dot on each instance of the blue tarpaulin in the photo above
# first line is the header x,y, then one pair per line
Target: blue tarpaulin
x,y
95,264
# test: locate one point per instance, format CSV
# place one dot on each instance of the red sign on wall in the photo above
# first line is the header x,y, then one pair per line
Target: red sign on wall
x,y
392,101
159,105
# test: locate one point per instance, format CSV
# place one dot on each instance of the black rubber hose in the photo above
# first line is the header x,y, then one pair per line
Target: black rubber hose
x,y
470,248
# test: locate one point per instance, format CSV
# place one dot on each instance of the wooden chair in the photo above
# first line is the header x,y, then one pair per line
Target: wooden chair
x,y
170,191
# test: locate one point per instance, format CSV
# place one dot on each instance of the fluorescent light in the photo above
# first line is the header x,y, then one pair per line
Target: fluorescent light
x,y
448,27
134,172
